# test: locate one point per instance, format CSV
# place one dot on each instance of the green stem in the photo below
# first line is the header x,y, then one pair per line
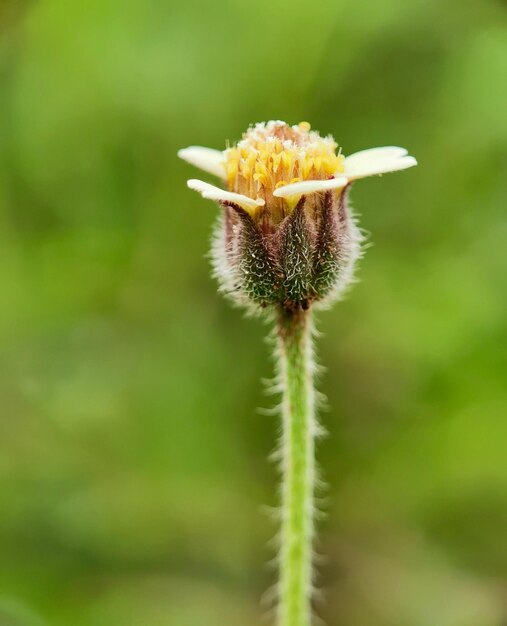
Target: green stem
x,y
298,467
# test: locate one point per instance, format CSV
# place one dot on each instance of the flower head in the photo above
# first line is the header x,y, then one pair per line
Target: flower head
x,y
286,235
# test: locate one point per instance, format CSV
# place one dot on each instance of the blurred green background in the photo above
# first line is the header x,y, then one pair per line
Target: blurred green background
x,y
133,461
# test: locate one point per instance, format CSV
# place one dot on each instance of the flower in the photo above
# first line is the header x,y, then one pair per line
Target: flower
x,y
286,235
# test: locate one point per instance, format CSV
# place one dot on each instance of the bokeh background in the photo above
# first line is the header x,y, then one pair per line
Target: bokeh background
x,y
133,460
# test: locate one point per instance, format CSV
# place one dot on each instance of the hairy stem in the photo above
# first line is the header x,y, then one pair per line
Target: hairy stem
x,y
298,467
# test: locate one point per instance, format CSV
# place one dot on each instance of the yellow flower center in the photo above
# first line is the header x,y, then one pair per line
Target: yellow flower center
x,y
274,154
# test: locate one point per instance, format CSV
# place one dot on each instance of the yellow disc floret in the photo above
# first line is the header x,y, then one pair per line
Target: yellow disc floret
x,y
273,154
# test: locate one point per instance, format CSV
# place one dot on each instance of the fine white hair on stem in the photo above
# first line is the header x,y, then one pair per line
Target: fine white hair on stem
x,y
283,455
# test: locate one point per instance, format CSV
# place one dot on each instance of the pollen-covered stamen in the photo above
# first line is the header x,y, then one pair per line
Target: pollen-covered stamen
x,y
275,154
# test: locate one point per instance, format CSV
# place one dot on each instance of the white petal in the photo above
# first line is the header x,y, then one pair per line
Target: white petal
x,y
207,159
377,161
215,193
376,154
309,186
